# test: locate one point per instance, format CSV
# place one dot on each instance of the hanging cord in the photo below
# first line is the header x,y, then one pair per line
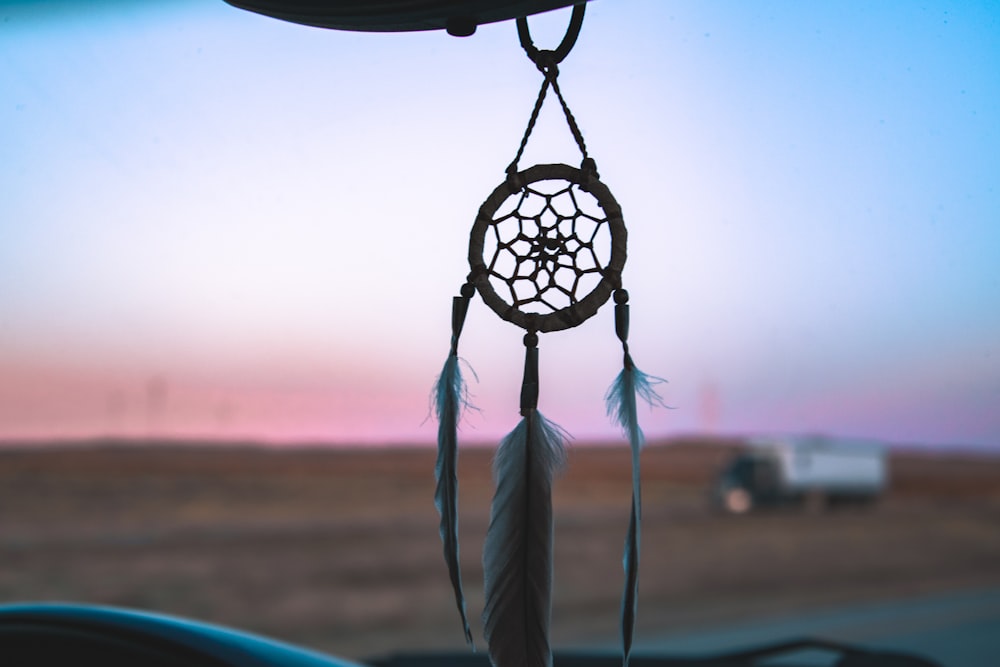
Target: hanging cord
x,y
547,63
529,382
621,326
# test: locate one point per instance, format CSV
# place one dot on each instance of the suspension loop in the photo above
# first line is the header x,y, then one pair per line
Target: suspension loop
x,y
545,60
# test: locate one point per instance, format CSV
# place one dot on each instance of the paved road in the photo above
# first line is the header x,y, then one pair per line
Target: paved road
x,y
957,630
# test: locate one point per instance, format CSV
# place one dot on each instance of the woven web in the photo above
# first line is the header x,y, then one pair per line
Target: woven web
x,y
547,246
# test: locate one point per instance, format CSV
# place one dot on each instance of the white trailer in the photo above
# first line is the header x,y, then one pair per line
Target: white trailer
x,y
788,470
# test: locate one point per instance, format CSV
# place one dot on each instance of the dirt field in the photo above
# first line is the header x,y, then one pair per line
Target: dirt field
x,y
339,550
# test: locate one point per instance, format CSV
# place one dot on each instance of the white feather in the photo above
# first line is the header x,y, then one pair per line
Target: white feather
x,y
517,557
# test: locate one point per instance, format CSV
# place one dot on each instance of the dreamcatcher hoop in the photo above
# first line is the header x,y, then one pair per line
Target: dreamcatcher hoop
x,y
552,247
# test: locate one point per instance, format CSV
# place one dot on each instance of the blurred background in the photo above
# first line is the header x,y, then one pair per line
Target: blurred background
x,y
338,549
228,247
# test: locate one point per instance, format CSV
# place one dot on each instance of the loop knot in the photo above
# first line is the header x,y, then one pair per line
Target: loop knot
x,y
547,63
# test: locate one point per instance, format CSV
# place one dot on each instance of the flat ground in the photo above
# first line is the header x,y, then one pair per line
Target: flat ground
x,y
339,549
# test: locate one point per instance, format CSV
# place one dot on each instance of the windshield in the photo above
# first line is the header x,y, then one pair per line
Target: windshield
x,y
228,251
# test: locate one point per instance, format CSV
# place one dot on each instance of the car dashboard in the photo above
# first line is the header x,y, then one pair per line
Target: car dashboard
x,y
54,635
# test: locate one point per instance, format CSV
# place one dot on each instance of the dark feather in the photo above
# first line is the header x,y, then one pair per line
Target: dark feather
x,y
451,398
621,404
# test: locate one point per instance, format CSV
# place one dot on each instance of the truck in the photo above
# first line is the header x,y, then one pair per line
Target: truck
x,y
794,471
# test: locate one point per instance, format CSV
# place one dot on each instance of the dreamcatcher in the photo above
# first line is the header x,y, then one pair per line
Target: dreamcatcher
x,y
546,251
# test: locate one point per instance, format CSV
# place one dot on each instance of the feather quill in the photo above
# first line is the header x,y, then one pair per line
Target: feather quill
x,y
517,556
451,398
622,408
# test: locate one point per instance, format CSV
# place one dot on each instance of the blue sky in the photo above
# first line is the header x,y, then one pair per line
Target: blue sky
x,y
217,224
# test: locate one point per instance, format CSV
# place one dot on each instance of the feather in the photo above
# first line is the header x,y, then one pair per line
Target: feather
x,y
451,398
630,594
621,404
517,556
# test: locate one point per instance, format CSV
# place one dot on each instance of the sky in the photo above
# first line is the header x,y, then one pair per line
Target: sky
x,y
219,225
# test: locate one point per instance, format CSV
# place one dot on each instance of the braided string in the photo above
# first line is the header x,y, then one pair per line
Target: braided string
x,y
570,120
512,167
